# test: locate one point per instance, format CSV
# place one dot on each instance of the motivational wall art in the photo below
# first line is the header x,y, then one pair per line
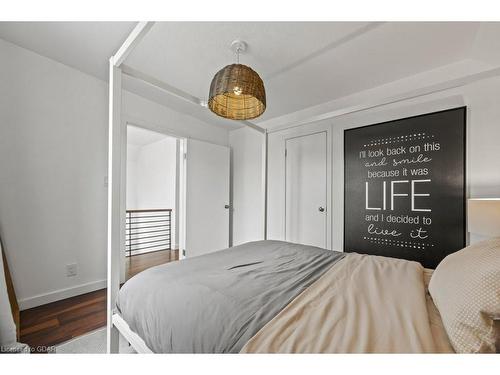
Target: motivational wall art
x,y
404,188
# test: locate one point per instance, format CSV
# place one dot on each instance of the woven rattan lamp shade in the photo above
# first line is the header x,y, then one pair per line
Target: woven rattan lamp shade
x,y
237,92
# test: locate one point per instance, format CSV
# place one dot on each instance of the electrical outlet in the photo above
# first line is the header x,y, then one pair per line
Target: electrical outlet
x,y
71,269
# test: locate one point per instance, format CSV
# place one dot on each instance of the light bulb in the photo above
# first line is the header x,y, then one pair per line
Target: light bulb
x,y
237,90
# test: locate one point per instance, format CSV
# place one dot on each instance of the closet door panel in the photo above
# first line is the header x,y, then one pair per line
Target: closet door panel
x,y
306,189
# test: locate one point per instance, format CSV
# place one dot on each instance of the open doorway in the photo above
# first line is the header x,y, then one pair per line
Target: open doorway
x,y
182,181
152,200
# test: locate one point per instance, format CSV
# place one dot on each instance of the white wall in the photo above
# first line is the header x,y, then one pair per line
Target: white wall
x,y
132,167
53,163
151,177
247,198
156,174
483,160
147,114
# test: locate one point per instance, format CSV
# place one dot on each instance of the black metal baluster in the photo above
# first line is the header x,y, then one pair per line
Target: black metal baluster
x,y
151,227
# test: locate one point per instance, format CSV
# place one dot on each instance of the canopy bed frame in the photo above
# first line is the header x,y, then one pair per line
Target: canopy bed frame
x,y
116,211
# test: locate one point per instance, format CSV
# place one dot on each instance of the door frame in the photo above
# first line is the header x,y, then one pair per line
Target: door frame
x,y
298,133
180,214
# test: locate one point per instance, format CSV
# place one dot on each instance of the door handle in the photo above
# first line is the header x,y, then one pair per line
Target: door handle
x,y
321,209
227,206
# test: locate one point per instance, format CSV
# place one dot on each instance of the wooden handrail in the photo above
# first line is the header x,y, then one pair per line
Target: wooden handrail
x,y
152,210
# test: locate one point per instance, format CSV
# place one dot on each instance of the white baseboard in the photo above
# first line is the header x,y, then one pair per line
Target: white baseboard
x,y
42,299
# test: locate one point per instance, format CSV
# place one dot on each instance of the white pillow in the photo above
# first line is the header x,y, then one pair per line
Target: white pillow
x,y
465,287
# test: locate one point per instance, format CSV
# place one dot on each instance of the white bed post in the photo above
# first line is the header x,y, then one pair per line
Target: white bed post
x,y
115,240
114,222
265,147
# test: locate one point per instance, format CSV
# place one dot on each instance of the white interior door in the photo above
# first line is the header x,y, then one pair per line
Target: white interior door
x,y
306,190
207,198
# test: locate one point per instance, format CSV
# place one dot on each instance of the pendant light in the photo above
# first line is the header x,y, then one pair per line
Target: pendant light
x,y
237,92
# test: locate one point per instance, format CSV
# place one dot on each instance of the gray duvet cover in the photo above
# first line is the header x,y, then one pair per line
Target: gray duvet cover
x,y
215,303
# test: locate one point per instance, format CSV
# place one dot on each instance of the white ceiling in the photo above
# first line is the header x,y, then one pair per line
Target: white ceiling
x,y
302,64
86,46
141,137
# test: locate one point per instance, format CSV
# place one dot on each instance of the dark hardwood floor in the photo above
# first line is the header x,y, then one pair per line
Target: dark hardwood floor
x,y
139,263
44,326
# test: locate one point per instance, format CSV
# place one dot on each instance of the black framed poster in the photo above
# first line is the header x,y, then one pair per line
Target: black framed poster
x,y
404,187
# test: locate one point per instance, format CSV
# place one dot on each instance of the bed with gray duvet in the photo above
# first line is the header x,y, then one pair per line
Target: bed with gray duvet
x,y
216,303
279,297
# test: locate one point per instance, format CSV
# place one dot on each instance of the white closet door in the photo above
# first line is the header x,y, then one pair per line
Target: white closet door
x,y
207,198
306,190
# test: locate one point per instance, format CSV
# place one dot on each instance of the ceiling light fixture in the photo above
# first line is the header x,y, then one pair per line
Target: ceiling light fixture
x,y
237,92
